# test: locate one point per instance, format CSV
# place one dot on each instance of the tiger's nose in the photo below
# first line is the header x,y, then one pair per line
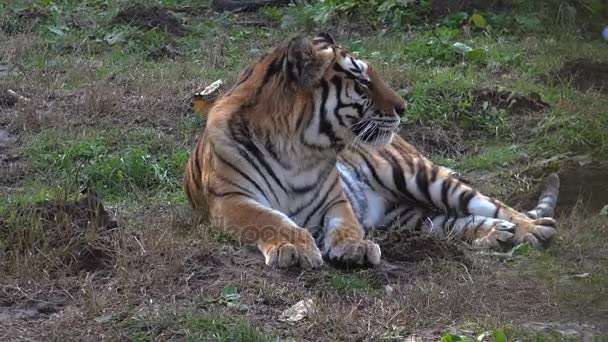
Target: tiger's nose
x,y
400,108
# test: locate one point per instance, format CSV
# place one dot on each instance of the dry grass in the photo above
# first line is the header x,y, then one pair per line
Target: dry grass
x,y
167,274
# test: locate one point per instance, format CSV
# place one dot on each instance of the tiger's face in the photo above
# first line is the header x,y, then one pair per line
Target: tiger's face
x,y
353,104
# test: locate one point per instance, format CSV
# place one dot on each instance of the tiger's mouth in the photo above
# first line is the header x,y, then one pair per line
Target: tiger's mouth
x,y
376,132
377,136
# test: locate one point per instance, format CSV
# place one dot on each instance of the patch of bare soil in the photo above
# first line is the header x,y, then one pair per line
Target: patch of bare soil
x,y
583,184
149,18
406,246
7,99
584,74
26,20
245,5
493,99
12,167
80,231
434,139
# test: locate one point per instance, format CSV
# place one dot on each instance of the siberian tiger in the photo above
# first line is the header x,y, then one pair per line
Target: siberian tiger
x,y
300,158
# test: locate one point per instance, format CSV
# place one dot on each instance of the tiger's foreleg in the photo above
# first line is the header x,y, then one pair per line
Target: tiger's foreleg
x,y
280,240
344,237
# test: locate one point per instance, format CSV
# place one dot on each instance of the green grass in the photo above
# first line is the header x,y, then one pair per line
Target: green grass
x,y
191,327
489,159
349,283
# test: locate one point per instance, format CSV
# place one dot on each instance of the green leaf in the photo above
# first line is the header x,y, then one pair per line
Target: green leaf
x,y
500,336
454,338
475,54
478,20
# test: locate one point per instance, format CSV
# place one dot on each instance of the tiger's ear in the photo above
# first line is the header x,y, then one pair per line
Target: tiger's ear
x,y
305,65
325,37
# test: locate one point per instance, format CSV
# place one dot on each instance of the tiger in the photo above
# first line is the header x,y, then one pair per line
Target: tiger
x,y
301,159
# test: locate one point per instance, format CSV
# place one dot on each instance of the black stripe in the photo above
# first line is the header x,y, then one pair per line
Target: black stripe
x,y
274,68
445,188
245,145
355,64
422,181
337,81
324,125
375,174
299,210
398,174
497,211
323,200
464,199
229,182
232,166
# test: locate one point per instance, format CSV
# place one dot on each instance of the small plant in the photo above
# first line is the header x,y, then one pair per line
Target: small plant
x,y
392,14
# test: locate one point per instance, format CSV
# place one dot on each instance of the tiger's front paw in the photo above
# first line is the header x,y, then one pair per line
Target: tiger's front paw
x,y
537,232
285,254
355,252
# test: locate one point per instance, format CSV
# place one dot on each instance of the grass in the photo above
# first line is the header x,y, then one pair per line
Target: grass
x,y
349,283
193,326
103,111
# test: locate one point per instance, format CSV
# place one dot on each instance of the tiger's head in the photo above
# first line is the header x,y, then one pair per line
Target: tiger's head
x,y
352,104
316,89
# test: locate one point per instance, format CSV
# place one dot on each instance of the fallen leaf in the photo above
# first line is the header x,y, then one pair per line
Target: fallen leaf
x,y
297,312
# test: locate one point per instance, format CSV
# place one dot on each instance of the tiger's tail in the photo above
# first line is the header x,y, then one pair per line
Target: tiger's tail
x,y
547,200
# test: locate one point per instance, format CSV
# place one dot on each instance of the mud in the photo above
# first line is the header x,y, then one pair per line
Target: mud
x,y
583,74
405,246
149,18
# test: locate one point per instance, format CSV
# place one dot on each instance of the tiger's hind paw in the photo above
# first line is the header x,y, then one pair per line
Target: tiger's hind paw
x,y
538,233
497,235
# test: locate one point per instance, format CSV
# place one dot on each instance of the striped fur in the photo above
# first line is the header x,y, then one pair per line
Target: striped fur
x,y
300,158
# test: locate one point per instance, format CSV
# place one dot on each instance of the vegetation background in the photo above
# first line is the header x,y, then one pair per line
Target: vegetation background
x,y
95,94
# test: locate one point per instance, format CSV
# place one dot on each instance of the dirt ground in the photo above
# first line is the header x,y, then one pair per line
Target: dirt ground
x,y
78,266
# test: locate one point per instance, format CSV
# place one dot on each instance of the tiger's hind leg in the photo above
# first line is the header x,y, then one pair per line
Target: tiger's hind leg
x,y
480,231
408,174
